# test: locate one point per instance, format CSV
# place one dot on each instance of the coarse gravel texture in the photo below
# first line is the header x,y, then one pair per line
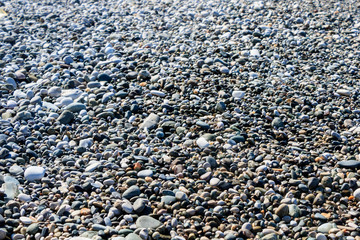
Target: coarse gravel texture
x,y
179,120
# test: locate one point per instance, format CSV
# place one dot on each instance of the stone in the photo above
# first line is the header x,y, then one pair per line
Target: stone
x,y
320,236
157,93
181,196
75,107
357,194
132,191
133,236
139,205
353,164
11,189
202,143
104,77
66,117
93,166
168,199
238,139
16,170
34,173
238,94
343,92
282,210
150,122
270,236
127,207
221,107
147,222
24,197
32,229
86,143
319,199
145,173
54,92
325,228
3,233
313,182
26,220
294,210
79,238
68,60
277,122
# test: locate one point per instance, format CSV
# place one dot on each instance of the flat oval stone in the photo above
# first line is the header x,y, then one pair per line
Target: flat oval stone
x,y
145,173
349,164
54,92
202,143
238,94
343,92
147,222
168,199
133,236
26,220
24,197
104,77
131,192
92,167
325,228
75,107
357,194
157,93
16,170
34,173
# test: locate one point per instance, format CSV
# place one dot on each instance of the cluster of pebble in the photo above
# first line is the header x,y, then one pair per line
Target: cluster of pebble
x,y
172,119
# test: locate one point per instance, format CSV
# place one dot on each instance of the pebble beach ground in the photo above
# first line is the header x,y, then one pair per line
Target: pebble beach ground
x,y
179,120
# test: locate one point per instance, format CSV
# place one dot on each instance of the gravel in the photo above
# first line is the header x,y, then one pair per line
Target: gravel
x,y
179,120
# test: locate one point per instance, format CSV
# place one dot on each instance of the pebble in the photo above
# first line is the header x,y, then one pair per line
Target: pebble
x,y
139,205
145,173
325,228
66,117
151,121
238,94
131,192
147,222
157,93
202,143
75,107
343,92
349,164
34,173
133,236
357,194
54,92
24,197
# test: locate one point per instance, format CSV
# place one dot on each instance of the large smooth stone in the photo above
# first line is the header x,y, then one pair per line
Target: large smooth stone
x,y
325,228
357,194
66,117
349,164
131,192
150,122
92,166
75,107
147,222
34,173
133,236
145,173
202,143
238,94
54,92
